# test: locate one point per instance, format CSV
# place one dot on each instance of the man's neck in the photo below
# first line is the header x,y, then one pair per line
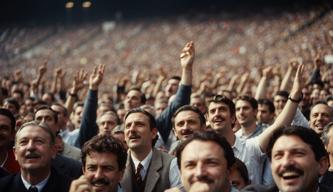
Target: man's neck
x,y
248,129
140,154
36,176
3,156
331,162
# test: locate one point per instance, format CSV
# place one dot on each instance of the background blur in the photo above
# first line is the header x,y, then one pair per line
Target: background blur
x,y
130,36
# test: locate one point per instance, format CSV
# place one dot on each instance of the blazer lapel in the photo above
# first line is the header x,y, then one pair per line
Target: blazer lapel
x,y
126,182
153,174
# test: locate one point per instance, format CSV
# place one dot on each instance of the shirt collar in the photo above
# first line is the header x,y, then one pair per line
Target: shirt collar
x,y
145,162
39,185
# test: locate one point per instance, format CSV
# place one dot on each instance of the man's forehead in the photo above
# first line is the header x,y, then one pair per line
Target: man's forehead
x,y
44,112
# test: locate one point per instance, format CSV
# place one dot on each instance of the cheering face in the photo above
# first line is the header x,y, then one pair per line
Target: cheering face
x,y
320,116
186,123
294,166
102,171
33,149
204,162
219,116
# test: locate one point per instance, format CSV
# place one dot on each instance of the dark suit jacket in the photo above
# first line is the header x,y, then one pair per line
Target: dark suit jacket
x,y
66,166
262,188
56,183
157,178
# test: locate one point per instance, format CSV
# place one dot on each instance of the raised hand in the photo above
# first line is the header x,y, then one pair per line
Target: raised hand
x,y
268,72
78,82
96,77
298,81
187,55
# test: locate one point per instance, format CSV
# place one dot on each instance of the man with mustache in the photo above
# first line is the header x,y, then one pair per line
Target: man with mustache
x,y
298,158
221,117
147,169
104,159
205,160
320,115
186,120
34,149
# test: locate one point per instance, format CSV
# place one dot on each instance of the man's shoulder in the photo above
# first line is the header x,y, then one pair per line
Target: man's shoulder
x,y
162,154
9,182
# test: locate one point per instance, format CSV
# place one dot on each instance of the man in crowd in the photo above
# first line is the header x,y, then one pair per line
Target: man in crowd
x,y
221,116
45,114
147,169
320,115
7,134
266,111
298,158
104,160
34,149
68,166
205,161
186,121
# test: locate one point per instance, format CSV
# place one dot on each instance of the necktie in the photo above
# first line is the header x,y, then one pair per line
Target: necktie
x,y
32,189
138,174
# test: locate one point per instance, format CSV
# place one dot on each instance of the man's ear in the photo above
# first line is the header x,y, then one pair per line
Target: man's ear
x,y
154,133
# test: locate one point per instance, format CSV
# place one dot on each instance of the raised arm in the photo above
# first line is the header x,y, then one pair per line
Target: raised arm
x,y
285,84
77,85
263,83
183,94
88,127
186,61
288,112
36,82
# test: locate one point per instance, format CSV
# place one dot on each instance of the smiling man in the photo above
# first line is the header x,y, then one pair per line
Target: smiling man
x,y
104,160
320,115
205,161
298,158
34,149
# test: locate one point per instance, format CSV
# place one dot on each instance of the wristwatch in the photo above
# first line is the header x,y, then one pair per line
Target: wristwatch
x,y
296,100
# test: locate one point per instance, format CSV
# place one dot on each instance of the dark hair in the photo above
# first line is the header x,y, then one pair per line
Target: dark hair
x,y
207,136
324,136
176,77
9,114
40,125
20,92
13,101
268,103
253,102
189,108
142,97
152,121
284,94
46,107
308,136
225,100
242,170
105,144
322,102
63,108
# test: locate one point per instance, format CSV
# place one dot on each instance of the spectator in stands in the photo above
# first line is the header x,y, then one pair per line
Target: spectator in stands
x,y
205,161
298,158
104,160
152,168
320,115
34,149
7,134
266,111
221,115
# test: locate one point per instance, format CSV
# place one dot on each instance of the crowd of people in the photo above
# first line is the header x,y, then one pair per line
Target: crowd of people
x,y
159,117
